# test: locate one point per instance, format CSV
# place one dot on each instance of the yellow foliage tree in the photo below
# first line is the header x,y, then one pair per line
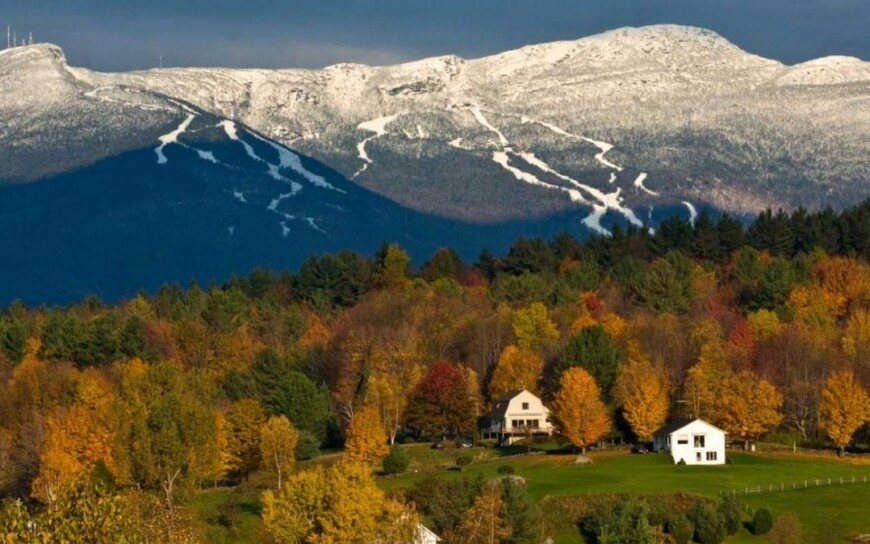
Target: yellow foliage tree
x,y
366,441
278,441
765,325
856,339
243,421
395,372
642,392
844,408
76,437
484,522
748,406
533,327
704,381
336,505
578,410
516,368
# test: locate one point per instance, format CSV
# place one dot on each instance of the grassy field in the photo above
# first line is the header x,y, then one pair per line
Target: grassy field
x,y
828,514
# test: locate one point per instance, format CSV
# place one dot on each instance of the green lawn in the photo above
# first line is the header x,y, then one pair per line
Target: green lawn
x,y
828,514
839,510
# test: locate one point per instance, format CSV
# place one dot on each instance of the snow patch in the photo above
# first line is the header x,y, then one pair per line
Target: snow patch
x,y
233,134
693,213
639,184
603,147
379,127
475,110
593,220
171,138
240,196
273,205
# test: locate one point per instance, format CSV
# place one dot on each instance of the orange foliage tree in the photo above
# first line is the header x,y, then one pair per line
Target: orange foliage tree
x,y
578,410
748,406
516,368
366,441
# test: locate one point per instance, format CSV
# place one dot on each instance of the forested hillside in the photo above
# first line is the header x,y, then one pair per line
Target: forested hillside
x,y
116,415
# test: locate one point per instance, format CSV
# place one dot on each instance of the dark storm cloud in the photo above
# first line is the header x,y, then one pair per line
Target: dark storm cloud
x,y
115,35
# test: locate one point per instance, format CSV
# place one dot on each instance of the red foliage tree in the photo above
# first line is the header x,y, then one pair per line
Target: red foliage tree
x,y
441,404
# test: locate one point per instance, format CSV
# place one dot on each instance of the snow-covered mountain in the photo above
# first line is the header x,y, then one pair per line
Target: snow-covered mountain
x,y
623,127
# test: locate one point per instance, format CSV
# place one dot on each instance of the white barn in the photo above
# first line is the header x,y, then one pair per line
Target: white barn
x,y
516,415
694,442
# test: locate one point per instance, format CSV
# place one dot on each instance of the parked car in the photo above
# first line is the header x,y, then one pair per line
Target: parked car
x,y
464,442
639,448
438,445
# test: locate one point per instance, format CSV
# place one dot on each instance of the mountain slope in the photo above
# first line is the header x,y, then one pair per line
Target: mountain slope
x,y
706,121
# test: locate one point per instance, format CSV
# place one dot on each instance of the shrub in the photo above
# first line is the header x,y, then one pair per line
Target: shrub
x,y
463,460
397,461
308,446
709,523
786,530
681,529
762,521
730,509
506,469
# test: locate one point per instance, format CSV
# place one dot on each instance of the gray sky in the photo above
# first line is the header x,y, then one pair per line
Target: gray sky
x,y
131,34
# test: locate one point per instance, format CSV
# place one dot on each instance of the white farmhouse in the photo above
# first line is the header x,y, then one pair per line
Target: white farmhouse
x,y
424,535
516,415
694,442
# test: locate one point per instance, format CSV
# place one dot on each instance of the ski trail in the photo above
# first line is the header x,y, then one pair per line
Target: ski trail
x,y
240,196
475,110
457,143
172,138
693,213
639,184
274,171
379,127
608,200
289,159
313,225
612,178
593,220
273,205
285,230
206,155
603,147
503,159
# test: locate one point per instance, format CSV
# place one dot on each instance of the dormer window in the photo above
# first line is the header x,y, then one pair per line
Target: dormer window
x,y
525,406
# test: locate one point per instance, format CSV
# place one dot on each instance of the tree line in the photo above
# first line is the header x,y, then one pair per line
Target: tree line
x,y
760,330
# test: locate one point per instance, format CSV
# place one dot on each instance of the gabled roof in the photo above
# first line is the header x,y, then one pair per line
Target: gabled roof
x,y
678,424
510,394
499,410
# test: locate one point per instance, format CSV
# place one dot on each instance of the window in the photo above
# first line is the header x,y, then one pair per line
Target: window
x,y
682,439
532,423
525,406
517,423
699,440
711,455
697,456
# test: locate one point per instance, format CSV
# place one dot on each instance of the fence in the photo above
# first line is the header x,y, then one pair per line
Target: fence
x,y
794,485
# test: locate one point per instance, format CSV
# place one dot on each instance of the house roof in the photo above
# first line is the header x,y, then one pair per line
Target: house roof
x,y
499,410
678,424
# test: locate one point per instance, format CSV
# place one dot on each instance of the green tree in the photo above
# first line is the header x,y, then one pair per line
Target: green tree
x,y
593,349
667,284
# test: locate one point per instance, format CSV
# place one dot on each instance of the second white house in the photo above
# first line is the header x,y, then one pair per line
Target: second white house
x,y
693,442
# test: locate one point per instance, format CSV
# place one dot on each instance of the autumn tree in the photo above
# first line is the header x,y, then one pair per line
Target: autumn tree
x,y
642,392
533,328
578,410
484,522
244,419
338,504
516,368
76,437
440,404
845,407
392,266
366,441
704,381
748,406
278,441
167,428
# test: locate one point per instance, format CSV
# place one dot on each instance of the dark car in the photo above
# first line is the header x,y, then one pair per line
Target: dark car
x,y
438,445
464,442
639,448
